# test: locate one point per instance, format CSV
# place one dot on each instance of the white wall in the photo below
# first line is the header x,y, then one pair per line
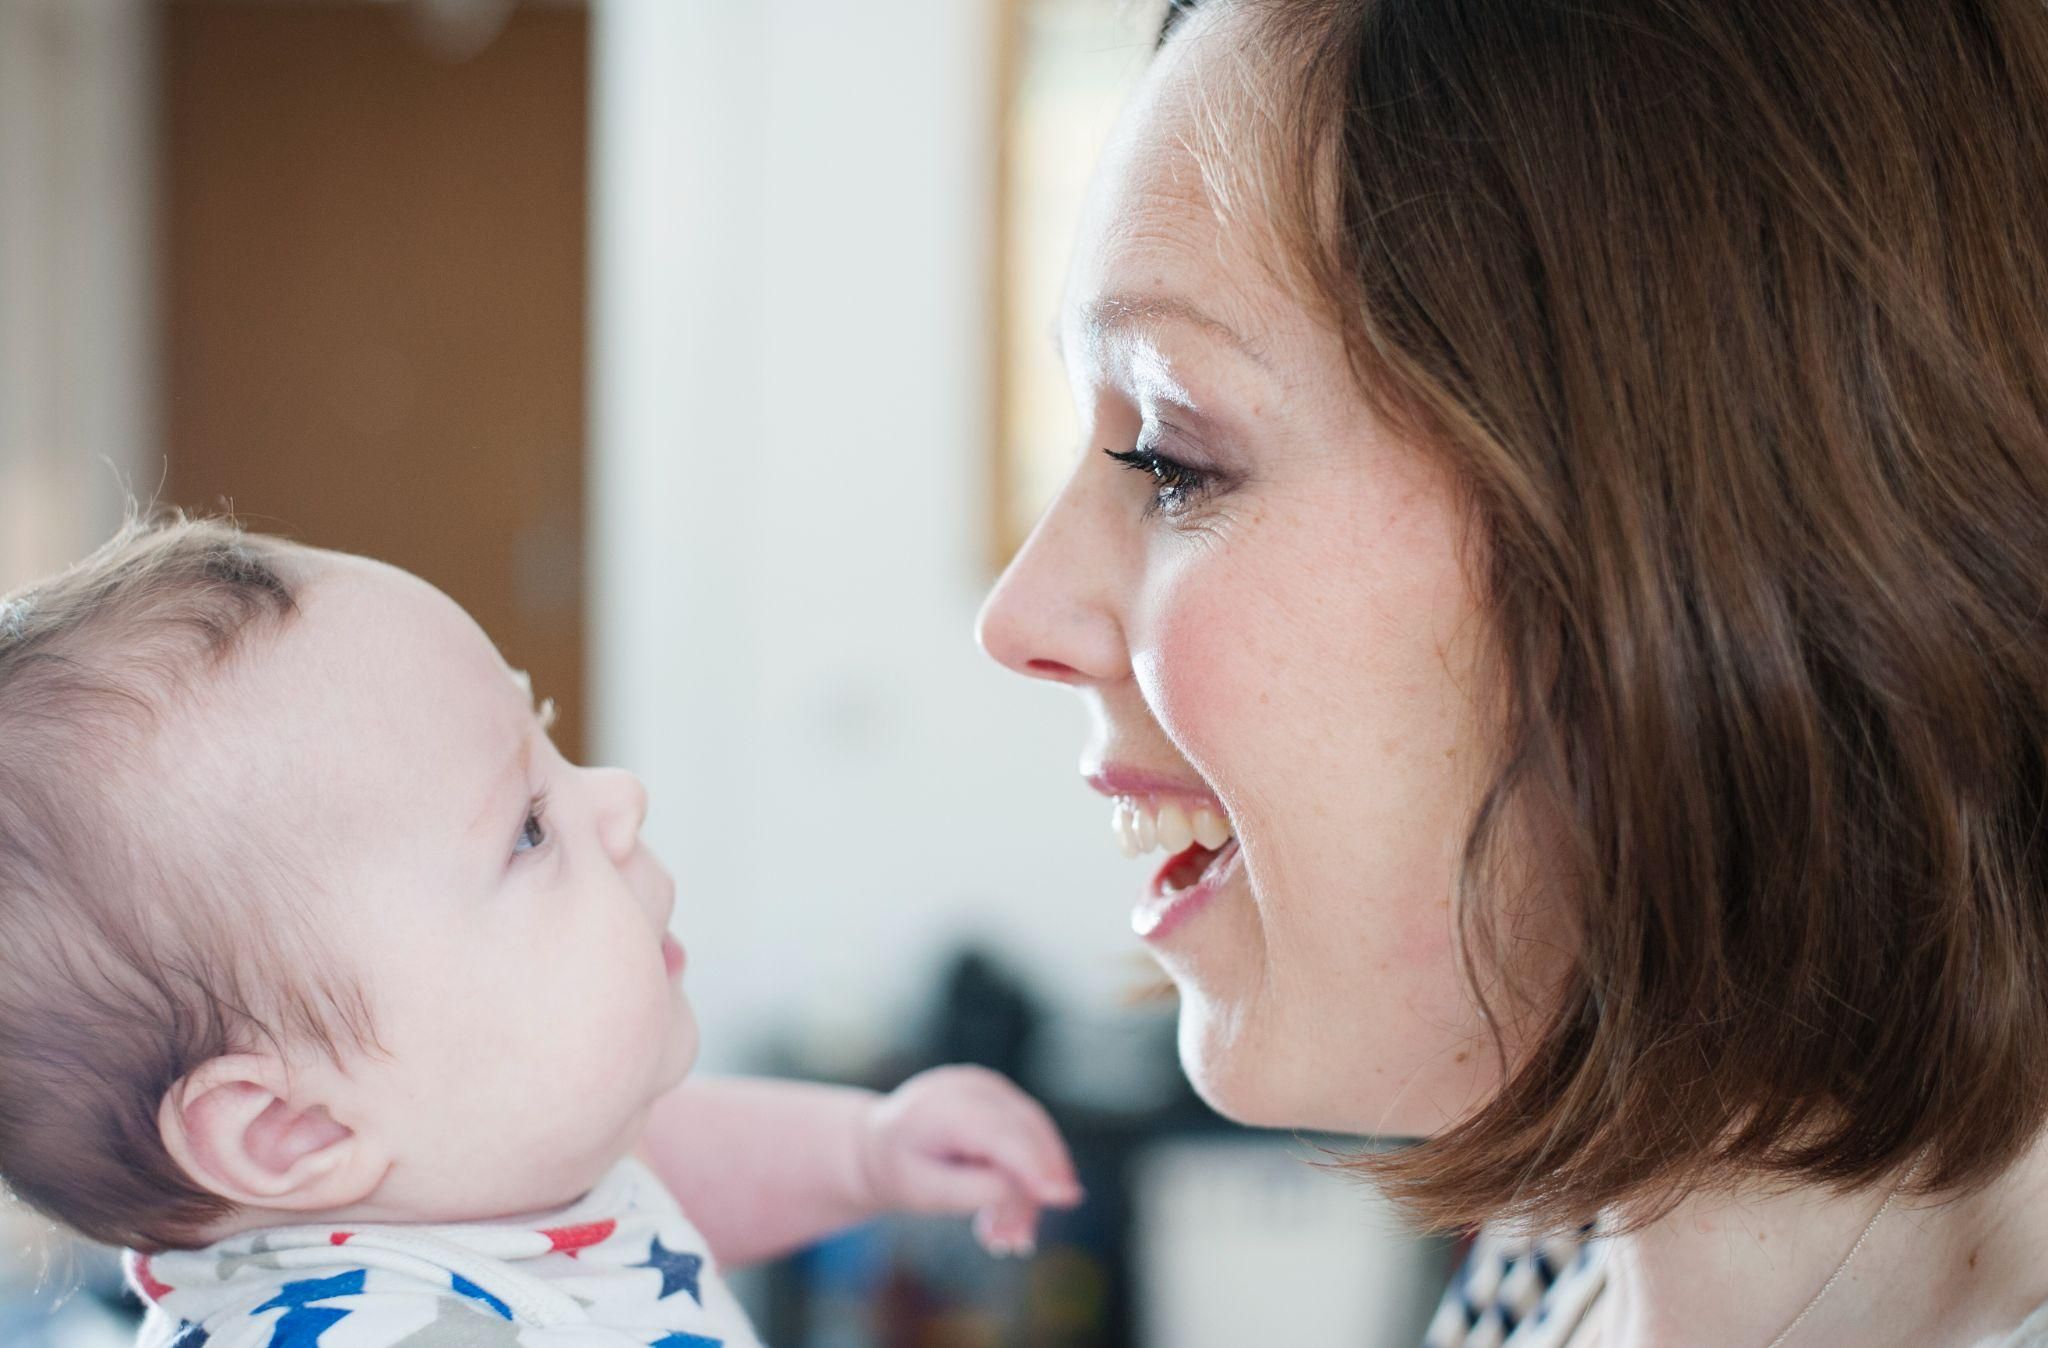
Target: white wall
x,y
76,385
791,427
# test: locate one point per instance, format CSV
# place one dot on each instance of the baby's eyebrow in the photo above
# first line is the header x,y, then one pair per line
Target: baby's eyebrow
x,y
518,770
545,711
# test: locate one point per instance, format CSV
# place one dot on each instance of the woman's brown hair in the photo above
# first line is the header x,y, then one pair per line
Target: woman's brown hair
x,y
1732,317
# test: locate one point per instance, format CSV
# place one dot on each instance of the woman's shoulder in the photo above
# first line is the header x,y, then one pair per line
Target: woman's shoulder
x,y
1519,1291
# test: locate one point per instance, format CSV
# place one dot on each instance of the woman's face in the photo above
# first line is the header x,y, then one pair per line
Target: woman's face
x,y
1282,634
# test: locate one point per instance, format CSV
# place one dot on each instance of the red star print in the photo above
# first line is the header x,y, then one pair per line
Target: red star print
x,y
151,1288
570,1239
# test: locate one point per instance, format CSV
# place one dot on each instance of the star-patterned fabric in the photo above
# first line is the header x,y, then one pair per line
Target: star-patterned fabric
x,y
623,1268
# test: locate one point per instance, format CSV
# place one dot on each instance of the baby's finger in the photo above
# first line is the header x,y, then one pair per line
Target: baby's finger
x,y
1008,1227
1017,1223
1041,1168
942,1187
1010,1131
985,1233
1020,1138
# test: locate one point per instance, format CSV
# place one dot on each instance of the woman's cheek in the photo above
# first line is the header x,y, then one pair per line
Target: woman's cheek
x,y
1198,657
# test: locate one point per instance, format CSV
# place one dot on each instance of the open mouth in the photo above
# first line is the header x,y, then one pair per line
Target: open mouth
x,y
1183,886
1202,854
1188,868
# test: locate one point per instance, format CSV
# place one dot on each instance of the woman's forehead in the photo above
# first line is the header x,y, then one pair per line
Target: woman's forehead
x,y
1160,243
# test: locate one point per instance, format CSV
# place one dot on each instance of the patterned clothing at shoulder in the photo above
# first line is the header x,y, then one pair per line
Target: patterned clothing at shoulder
x,y
1520,1292
1523,1292
622,1268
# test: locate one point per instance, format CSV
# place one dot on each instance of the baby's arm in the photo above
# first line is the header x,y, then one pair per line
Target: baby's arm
x,y
764,1167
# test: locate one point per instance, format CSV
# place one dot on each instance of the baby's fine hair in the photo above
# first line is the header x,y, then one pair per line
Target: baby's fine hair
x,y
125,961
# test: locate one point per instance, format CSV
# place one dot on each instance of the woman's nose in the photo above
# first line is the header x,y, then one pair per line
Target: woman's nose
x,y
1054,614
624,802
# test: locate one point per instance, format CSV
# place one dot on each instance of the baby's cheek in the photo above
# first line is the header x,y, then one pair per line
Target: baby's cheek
x,y
585,1054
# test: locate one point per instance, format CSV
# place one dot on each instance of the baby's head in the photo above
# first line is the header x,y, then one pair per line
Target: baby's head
x,y
301,913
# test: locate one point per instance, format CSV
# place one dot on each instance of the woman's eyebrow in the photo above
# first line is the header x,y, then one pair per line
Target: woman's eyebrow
x,y
1112,315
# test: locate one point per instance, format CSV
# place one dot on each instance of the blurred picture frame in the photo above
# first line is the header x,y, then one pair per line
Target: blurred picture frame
x,y
1064,70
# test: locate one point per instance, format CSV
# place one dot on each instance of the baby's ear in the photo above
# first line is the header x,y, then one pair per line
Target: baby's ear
x,y
241,1127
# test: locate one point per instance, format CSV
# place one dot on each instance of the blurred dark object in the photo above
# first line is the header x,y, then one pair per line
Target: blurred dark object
x,y
1195,1231
923,1283
985,1016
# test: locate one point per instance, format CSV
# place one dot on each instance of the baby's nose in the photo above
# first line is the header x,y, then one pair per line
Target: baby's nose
x,y
625,811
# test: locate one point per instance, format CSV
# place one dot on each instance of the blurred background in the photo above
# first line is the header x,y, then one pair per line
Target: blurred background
x,y
697,347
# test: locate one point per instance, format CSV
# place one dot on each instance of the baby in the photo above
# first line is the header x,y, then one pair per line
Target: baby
x,y
329,987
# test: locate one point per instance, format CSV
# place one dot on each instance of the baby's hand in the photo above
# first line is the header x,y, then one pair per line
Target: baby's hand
x,y
963,1139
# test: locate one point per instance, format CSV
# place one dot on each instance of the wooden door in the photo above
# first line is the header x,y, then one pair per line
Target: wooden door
x,y
373,300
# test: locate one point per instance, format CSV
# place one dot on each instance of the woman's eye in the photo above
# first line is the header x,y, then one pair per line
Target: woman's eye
x,y
534,832
1176,486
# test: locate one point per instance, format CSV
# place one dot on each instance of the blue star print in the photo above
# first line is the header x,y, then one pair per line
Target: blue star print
x,y
301,1325
686,1341
190,1336
678,1270
471,1290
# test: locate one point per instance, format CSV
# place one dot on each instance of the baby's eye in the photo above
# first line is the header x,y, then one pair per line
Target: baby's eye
x,y
534,832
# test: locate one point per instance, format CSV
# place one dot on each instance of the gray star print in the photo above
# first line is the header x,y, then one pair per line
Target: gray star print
x,y
457,1326
259,1256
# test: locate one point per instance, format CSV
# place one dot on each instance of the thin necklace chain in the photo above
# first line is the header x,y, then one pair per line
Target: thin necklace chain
x,y
1806,1310
1842,1267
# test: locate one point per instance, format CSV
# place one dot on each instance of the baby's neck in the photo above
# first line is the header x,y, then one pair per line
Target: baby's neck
x,y
385,1207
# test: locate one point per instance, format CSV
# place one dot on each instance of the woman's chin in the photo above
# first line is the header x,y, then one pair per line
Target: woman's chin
x,y
1265,1080
1232,1071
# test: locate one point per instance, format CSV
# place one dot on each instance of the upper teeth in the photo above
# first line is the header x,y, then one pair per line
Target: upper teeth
x,y
1142,823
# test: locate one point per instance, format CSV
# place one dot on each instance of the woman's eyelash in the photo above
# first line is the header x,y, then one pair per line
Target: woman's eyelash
x,y
1177,484
533,833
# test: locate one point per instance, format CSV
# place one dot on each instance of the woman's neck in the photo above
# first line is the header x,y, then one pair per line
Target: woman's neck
x,y
1732,1271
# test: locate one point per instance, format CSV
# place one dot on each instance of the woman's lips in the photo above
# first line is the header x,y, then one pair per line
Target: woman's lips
x,y
672,955
1162,910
